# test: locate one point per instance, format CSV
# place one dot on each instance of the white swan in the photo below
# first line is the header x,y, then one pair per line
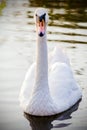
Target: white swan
x,y
48,92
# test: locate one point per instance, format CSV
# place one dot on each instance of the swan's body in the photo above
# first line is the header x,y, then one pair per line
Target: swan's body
x,y
48,92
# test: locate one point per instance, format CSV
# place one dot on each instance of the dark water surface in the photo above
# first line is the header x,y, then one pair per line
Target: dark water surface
x,y
67,27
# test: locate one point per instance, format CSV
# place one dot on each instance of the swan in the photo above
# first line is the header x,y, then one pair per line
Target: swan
x,y
48,88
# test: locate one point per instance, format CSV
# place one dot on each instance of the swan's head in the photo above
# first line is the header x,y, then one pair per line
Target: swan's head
x,y
41,20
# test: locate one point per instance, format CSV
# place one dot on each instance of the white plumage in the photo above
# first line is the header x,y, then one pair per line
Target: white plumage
x,y
48,88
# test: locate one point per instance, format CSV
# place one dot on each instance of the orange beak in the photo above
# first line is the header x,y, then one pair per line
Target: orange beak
x,y
41,28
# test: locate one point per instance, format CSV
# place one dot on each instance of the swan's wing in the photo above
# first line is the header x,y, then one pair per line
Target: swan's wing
x,y
58,55
63,87
27,87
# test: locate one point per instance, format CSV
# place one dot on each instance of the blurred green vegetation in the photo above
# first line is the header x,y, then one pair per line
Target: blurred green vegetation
x,y
75,10
2,5
59,3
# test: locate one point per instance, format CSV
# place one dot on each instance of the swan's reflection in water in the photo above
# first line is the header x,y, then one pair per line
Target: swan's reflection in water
x,y
45,123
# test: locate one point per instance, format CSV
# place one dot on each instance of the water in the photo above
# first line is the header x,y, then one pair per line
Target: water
x,y
67,27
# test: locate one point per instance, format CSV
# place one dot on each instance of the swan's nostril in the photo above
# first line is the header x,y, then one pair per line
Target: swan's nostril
x,y
40,19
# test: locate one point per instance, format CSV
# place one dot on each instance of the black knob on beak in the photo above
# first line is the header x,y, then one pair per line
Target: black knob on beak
x,y
42,17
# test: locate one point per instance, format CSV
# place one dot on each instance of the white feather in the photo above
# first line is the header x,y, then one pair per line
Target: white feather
x,y
47,93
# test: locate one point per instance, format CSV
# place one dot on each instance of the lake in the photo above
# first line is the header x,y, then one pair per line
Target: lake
x,y
68,28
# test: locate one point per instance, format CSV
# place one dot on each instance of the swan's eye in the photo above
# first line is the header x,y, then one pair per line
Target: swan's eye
x,y
37,18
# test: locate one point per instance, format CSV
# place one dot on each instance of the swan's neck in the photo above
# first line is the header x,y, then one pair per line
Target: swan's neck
x,y
41,63
41,95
